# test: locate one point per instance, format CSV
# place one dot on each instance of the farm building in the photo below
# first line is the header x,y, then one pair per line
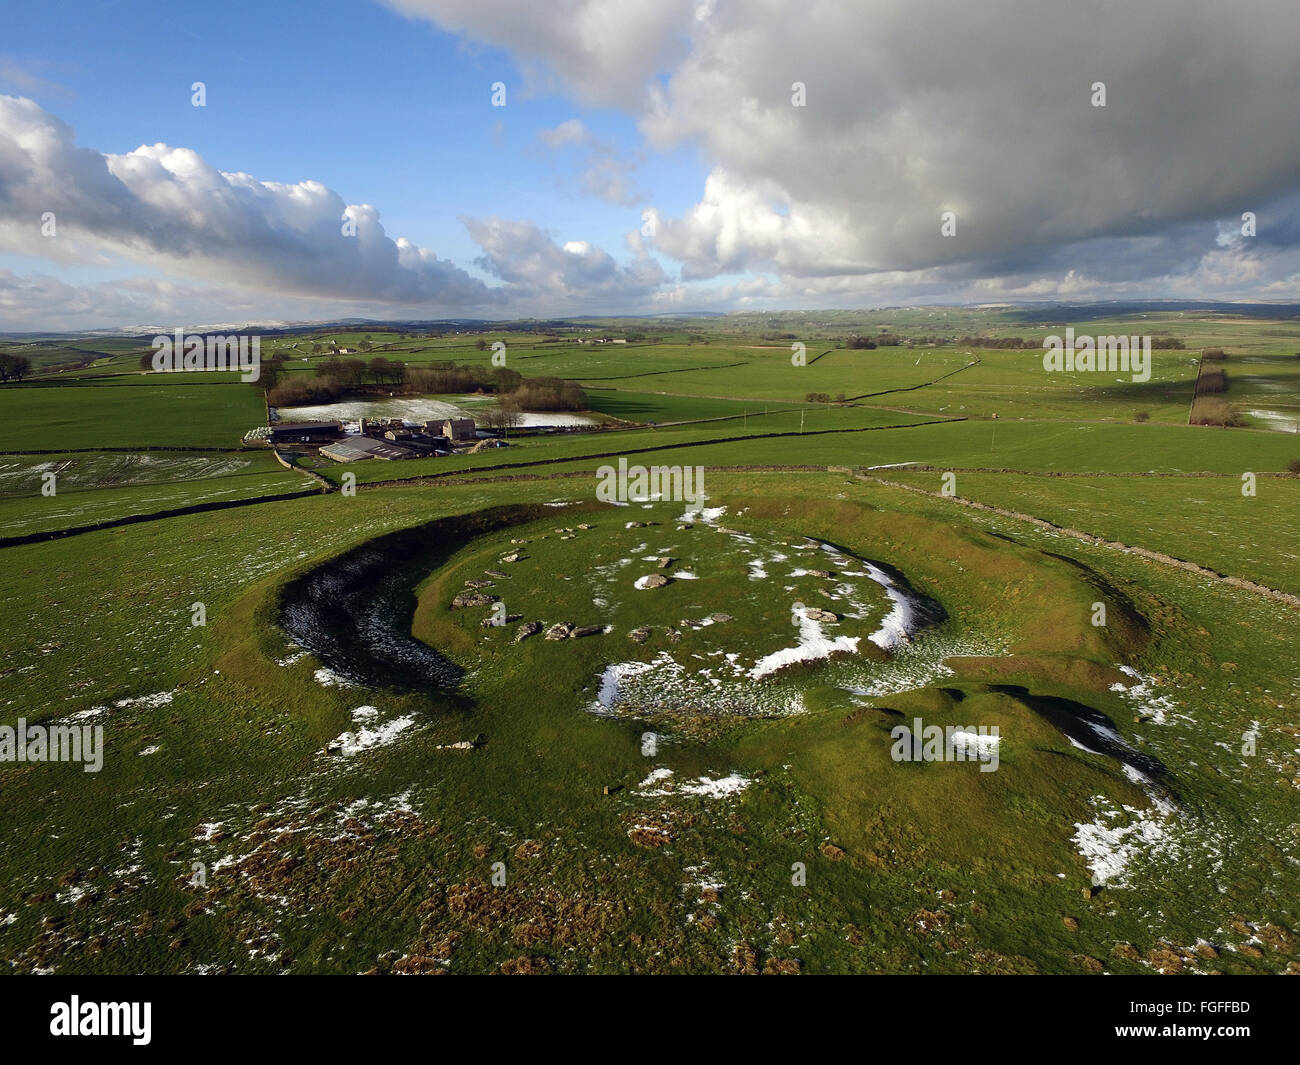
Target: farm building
x,y
454,429
419,441
357,448
304,433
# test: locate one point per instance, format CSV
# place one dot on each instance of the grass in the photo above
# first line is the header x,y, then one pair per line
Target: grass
x,y
188,410
1206,520
383,860
247,737
96,487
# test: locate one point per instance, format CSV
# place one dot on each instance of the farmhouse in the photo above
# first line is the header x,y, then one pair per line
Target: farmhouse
x,y
304,433
358,448
454,429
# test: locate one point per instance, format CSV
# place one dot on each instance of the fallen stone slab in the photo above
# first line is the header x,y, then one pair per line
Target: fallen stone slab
x,y
528,628
472,599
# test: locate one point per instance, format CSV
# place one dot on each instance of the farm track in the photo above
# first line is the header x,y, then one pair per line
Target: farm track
x,y
1293,601
288,465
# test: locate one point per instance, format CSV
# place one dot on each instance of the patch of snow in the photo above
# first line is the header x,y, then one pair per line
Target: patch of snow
x,y
327,678
974,745
148,702
813,645
367,739
705,515
612,679
899,624
720,788
650,786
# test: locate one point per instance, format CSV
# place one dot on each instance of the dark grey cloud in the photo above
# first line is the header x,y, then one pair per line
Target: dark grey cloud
x,y
915,107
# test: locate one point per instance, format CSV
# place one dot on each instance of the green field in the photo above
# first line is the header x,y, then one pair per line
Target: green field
x,y
187,410
706,779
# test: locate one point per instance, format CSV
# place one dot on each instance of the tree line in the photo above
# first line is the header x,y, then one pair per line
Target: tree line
x,y
334,378
14,367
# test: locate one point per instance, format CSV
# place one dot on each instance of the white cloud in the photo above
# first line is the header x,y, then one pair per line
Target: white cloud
x,y
553,277
915,107
259,249
569,132
169,208
605,172
601,52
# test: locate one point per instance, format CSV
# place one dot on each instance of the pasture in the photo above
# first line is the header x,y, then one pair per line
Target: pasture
x,y
703,779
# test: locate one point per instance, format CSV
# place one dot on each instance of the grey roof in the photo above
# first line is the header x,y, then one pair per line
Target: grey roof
x,y
353,448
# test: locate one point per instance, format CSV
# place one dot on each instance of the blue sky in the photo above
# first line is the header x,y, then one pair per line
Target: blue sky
x,y
682,112
386,111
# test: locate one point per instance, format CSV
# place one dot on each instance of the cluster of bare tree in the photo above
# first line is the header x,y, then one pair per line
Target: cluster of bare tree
x,y
336,377
549,393
504,414
449,377
300,391
14,367
1001,343
883,340
1214,410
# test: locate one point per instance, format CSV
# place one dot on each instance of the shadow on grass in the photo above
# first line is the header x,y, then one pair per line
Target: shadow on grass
x,y
354,612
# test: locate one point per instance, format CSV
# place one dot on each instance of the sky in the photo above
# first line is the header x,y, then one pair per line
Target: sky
x,y
424,159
